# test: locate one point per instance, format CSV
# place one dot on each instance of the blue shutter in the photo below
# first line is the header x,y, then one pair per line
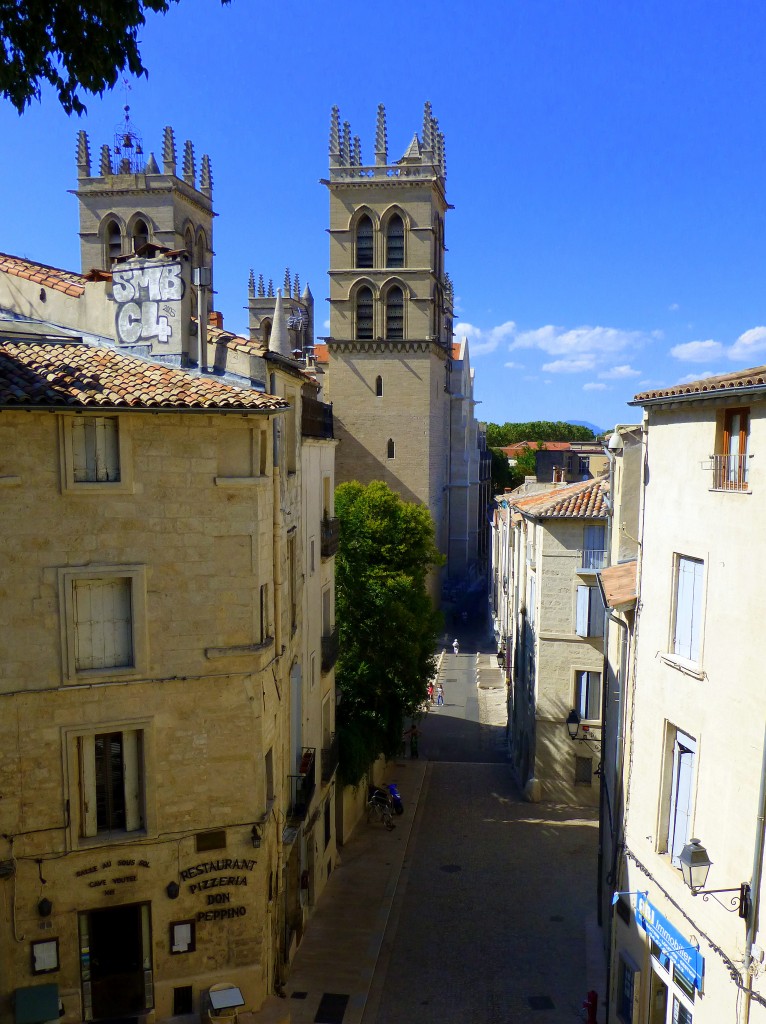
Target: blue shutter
x,y
583,607
696,611
595,612
682,640
680,797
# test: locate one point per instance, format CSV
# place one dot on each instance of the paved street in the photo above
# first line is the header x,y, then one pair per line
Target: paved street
x,y
476,910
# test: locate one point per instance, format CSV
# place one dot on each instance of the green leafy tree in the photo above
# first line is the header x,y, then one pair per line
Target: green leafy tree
x,y
387,624
499,435
73,46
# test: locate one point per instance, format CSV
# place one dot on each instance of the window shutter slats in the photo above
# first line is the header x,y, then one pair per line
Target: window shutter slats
x,y
87,755
583,606
131,753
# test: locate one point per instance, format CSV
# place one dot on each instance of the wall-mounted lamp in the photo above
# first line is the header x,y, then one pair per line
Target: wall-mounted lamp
x,y
256,836
573,724
173,890
695,865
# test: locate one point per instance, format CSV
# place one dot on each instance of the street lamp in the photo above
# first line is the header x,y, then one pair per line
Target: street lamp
x,y
573,724
695,865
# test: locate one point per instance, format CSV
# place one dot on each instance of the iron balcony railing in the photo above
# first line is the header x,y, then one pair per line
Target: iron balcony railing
x,y
330,537
730,473
316,418
303,784
329,759
593,559
329,650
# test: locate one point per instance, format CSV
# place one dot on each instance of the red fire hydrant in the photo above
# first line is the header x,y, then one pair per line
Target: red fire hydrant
x,y
591,1005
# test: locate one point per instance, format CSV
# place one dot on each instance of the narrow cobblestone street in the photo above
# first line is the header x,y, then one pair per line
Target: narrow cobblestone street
x,y
475,911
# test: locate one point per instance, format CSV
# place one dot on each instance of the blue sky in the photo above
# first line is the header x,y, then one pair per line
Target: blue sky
x,y
606,161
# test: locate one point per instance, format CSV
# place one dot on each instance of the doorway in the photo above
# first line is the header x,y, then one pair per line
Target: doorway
x,y
115,944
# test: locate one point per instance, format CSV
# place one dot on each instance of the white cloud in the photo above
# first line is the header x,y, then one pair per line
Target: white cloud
x,y
482,341
674,307
620,372
697,376
594,386
327,326
581,341
698,351
750,344
570,365
513,366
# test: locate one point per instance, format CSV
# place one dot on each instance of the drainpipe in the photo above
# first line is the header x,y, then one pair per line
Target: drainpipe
x,y
755,890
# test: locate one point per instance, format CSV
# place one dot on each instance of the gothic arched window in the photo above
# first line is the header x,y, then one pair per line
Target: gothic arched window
x,y
364,314
395,314
201,249
266,328
378,387
113,237
391,449
364,242
395,242
189,242
140,235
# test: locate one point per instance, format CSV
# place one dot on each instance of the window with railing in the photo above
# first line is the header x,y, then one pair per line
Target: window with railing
x,y
594,548
730,465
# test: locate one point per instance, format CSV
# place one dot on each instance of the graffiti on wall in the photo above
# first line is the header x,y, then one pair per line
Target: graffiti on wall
x,y
148,296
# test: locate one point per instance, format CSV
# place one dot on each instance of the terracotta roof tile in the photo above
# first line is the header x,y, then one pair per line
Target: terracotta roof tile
x,y
586,500
61,280
85,376
755,377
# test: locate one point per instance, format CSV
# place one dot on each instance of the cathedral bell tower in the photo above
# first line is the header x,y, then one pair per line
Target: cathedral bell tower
x,y
130,202
390,342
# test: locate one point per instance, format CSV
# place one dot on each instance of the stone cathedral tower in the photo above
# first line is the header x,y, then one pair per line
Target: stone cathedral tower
x,y
390,343
130,202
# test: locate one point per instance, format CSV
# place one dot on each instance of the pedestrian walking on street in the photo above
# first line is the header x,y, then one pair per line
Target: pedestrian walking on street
x,y
456,646
412,734
439,695
430,691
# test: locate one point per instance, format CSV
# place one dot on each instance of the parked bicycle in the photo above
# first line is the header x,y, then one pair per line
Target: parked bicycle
x,y
379,808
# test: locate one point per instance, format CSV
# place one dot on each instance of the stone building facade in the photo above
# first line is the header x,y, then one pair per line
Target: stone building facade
x,y
390,348
168,714
555,616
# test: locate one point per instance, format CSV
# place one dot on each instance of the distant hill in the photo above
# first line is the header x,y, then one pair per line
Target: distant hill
x,y
598,431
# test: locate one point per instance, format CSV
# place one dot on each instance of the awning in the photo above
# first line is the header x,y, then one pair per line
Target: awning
x,y
619,584
37,1004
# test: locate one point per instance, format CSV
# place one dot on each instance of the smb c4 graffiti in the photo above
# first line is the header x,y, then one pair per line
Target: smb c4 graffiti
x,y
148,297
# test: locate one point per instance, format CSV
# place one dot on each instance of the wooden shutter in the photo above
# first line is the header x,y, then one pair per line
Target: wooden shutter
x,y
583,609
688,620
696,609
132,756
103,623
681,795
87,766
79,461
595,612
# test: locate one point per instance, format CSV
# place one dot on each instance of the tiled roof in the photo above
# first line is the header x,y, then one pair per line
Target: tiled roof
x,y
220,336
620,583
47,277
587,500
548,446
755,377
84,376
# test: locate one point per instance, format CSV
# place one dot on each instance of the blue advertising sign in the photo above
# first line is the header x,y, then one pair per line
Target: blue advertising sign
x,y
686,958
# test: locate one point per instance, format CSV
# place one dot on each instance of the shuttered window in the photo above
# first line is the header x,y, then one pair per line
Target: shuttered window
x,y
111,782
364,243
103,623
588,695
590,612
395,314
95,449
364,314
395,242
687,631
684,752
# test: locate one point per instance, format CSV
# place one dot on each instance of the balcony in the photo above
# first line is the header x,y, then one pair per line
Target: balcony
x,y
329,650
316,419
593,559
303,784
329,759
730,473
330,537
